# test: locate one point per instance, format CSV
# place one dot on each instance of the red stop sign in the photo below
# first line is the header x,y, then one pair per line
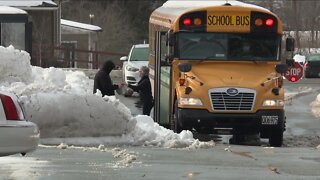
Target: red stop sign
x,y
294,72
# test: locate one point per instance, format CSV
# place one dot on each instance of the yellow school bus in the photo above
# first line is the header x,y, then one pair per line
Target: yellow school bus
x,y
215,68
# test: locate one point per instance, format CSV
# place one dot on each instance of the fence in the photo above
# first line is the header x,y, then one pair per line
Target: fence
x,y
46,56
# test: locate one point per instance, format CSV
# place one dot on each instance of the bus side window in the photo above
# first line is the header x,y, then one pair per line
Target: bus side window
x,y
164,50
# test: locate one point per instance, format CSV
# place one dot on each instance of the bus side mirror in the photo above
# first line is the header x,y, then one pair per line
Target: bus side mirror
x,y
290,44
281,68
124,58
170,38
185,67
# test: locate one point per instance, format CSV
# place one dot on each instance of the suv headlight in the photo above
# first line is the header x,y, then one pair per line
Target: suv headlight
x,y
190,101
131,68
273,102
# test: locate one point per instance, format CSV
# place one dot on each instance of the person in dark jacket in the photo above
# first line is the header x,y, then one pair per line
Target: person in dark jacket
x,y
144,89
102,80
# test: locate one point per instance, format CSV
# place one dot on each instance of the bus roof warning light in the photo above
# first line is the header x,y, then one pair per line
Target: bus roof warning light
x,y
269,22
258,22
197,21
187,22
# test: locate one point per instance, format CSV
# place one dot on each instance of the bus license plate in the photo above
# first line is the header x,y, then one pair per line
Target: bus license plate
x,y
269,120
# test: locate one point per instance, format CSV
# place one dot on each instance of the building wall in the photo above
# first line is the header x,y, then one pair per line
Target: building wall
x,y
43,37
82,39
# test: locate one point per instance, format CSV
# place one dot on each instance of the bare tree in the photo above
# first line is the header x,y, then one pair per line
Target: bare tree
x,y
297,26
125,22
118,32
314,17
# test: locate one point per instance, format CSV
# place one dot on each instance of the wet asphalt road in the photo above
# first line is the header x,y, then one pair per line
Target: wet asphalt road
x,y
219,162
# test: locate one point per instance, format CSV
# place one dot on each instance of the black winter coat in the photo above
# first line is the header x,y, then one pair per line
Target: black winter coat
x,y
144,89
103,82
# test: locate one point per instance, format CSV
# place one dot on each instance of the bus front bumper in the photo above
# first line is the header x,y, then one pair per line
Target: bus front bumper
x,y
202,118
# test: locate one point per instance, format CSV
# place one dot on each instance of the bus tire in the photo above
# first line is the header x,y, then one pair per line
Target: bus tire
x,y
177,127
276,138
237,138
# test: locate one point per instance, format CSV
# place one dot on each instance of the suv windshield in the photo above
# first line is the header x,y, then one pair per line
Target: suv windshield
x,y
139,54
226,46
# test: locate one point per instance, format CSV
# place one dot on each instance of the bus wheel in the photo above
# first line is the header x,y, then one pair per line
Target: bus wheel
x,y
177,127
276,138
237,139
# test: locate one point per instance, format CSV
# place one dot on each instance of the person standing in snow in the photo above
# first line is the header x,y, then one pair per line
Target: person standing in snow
x,y
144,89
102,80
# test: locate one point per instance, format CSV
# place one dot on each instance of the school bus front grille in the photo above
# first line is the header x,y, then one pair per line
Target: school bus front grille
x,y
222,101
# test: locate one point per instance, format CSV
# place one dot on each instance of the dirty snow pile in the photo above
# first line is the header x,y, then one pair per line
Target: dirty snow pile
x,y
315,106
299,58
61,103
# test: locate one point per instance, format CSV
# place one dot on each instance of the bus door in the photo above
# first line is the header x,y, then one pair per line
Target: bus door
x,y
162,82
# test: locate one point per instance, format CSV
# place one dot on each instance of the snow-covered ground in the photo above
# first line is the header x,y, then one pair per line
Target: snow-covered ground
x,y
61,102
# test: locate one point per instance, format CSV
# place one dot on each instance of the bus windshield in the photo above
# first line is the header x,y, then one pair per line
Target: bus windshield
x,y
226,46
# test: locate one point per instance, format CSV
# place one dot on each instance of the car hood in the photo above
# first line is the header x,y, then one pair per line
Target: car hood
x,y
138,64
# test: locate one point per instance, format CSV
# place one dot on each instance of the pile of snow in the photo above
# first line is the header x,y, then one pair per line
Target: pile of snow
x,y
315,106
122,157
61,103
299,58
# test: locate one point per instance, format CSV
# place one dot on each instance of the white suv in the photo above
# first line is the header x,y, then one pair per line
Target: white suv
x,y
138,57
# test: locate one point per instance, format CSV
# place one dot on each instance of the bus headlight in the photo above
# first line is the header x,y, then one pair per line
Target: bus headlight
x,y
190,101
273,102
131,68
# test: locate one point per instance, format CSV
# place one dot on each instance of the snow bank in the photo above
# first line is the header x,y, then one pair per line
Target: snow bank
x,y
315,106
61,103
299,58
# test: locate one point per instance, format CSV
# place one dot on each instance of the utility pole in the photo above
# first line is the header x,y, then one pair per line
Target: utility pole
x,y
59,23
91,16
